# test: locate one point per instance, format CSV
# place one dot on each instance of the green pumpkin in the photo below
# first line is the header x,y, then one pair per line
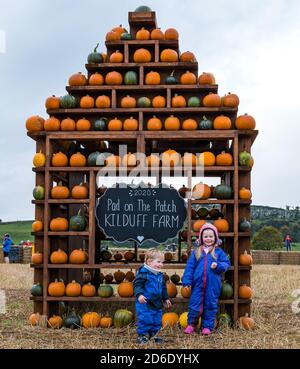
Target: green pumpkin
x,y
126,36
144,102
122,318
68,102
143,9
222,192
105,290
245,158
95,57
92,159
39,192
131,78
202,213
205,124
226,291
175,278
37,290
105,255
100,124
224,320
72,321
78,222
171,80
245,226
193,102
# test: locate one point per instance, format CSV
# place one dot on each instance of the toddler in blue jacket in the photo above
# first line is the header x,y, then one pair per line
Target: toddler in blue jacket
x,y
203,274
151,295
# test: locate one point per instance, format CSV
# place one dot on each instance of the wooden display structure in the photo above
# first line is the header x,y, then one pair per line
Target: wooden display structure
x,y
146,142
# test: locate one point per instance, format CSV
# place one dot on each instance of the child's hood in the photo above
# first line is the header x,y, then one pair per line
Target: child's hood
x,y
214,229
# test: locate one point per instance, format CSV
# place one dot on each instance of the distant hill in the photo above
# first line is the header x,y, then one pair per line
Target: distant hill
x,y
19,231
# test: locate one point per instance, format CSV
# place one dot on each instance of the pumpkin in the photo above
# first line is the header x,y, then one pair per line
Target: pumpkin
x,y
78,79
34,319
78,222
172,123
152,78
142,34
131,78
119,30
212,101
221,122
59,160
37,290
183,191
154,124
96,79
92,159
159,102
37,258
106,321
56,289
175,278
100,124
246,322
171,34
222,225
73,289
101,190
144,102
116,57
80,192
119,276
169,56
170,158
118,256
88,290
129,160
58,257
245,158
170,319
215,213
115,125
125,289
226,291
189,125
77,160
35,123
157,34
245,292
224,321
130,276
114,78
126,36
201,191
39,193
109,278
129,255
113,161
39,160
166,277
68,102
189,160
111,36
105,291
207,79
122,318
60,192
171,289
95,57
142,56
78,256
68,124
153,160
142,256
168,256
186,292
171,79
72,321
101,278
183,320
207,159
103,102
55,322
244,226
105,255
245,259
188,78
222,192
178,101
87,102
52,102
203,213
188,57
198,224
131,124
128,102
224,159
90,320
205,124
193,102
59,225
231,101
245,194
52,124
245,122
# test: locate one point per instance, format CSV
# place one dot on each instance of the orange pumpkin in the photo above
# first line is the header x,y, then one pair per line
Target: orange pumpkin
x,y
106,321
207,159
154,124
231,101
83,125
178,101
189,125
78,256
142,56
78,79
103,102
212,101
245,292
52,124
222,123
172,123
73,289
171,34
201,191
157,34
56,289
245,259
88,290
207,79
170,158
113,161
115,125
198,224
169,56
153,160
59,225
58,257
129,160
159,102
80,192
222,225
131,124
37,258
87,102
128,102
224,159
119,30
60,192
55,322
37,226
35,123
125,289
111,36
77,160
187,57
246,322
59,160
171,289
188,78
52,102
34,319
152,78
90,320
96,79
186,292
116,57
113,78
68,124
245,194
189,160
143,34
245,122
170,319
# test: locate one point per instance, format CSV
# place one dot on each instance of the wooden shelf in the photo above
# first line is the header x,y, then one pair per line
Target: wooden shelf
x,y
221,202
168,43
228,234
184,66
61,201
62,234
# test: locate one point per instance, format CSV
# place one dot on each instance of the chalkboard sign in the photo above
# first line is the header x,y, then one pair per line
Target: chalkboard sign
x,y
141,213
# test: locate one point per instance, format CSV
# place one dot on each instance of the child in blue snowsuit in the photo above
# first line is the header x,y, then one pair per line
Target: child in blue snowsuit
x,y
151,294
203,273
7,242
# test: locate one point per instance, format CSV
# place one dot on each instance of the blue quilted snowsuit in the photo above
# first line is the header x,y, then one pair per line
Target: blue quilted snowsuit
x,y
153,287
206,285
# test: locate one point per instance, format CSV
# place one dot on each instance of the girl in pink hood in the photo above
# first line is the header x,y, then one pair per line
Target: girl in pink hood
x,y
203,274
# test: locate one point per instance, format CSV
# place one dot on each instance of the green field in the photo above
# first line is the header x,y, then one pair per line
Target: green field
x,y
18,230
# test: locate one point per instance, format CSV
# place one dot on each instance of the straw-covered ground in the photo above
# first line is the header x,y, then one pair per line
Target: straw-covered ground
x,y
277,326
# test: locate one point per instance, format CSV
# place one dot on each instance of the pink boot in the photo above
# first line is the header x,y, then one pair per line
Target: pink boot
x,y
189,329
206,332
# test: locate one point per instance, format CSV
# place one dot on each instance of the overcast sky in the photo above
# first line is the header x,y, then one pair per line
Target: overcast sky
x,y
252,47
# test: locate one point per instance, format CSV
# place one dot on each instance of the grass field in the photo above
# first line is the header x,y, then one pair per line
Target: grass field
x,y
18,230
276,324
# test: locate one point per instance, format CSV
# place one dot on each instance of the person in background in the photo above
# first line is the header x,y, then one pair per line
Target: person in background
x,y
288,242
7,242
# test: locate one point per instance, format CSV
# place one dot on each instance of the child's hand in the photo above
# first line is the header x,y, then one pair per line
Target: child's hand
x,y
168,304
142,299
213,265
